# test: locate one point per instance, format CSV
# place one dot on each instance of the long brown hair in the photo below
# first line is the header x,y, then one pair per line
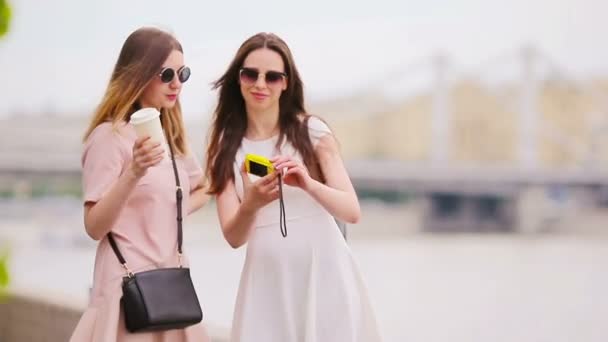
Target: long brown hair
x,y
230,116
141,59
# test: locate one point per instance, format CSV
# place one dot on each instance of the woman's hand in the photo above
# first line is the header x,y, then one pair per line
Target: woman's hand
x,y
294,172
261,192
145,155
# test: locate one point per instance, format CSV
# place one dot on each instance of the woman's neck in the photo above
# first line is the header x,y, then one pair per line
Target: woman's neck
x,y
262,124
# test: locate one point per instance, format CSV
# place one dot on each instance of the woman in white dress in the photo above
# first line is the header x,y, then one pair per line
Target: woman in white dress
x,y
299,281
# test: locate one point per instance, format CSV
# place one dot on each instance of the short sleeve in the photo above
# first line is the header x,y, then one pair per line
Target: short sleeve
x,y
317,129
194,170
103,159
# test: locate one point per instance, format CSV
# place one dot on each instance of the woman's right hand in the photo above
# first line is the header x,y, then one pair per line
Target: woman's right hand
x,y
145,154
261,192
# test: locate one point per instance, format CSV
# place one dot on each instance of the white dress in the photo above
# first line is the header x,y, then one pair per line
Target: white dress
x,y
305,287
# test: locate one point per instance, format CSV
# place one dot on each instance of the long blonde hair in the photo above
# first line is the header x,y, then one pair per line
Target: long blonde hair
x,y
140,60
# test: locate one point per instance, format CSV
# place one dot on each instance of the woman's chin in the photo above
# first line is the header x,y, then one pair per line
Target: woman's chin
x,y
259,105
169,104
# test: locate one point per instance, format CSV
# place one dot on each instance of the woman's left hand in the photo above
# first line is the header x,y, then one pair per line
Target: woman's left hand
x,y
293,171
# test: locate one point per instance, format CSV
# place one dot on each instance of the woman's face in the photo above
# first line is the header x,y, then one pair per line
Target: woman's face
x,y
262,79
164,89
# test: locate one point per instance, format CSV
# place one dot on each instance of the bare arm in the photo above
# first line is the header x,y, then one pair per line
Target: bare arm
x,y
198,196
236,217
100,216
337,195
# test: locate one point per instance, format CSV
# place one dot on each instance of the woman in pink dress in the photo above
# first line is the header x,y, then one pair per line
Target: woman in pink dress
x,y
129,187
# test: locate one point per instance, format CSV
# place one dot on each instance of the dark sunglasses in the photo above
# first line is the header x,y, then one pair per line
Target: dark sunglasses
x,y
250,76
167,74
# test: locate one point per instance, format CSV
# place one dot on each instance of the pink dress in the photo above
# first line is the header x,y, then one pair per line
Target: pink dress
x,y
145,231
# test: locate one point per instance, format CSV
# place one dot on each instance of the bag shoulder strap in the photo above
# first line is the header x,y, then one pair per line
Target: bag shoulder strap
x,y
178,197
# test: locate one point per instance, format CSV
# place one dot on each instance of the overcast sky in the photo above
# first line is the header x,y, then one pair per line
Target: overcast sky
x,y
59,54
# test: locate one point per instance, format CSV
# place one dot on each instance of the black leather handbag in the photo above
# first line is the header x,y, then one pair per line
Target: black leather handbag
x,y
164,298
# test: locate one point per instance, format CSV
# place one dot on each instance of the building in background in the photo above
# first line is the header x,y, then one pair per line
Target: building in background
x,y
464,150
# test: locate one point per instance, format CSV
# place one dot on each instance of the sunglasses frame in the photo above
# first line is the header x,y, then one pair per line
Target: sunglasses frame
x,y
282,75
178,73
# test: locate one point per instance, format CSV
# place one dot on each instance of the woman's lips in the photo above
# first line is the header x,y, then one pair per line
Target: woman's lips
x,y
259,96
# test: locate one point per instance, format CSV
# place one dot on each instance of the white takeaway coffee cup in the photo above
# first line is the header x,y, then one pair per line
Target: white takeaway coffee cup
x,y
146,122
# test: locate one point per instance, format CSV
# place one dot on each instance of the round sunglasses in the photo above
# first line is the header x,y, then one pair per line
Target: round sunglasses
x,y
250,76
167,74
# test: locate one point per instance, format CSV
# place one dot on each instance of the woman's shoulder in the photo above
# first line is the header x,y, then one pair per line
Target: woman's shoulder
x,y
108,133
317,127
103,129
109,130
316,123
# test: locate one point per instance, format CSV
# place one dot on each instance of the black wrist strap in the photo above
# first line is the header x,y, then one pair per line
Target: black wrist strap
x,y
282,219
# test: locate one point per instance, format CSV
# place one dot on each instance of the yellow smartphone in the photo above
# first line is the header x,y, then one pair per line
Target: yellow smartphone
x,y
258,165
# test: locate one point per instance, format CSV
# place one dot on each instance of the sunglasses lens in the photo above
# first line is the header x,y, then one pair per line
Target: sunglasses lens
x,y
273,77
249,76
184,74
167,75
